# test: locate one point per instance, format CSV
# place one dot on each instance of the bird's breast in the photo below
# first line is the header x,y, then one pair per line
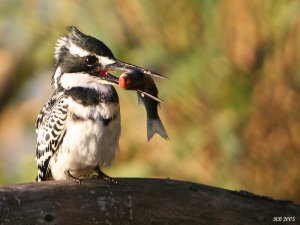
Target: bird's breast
x,y
91,139
87,103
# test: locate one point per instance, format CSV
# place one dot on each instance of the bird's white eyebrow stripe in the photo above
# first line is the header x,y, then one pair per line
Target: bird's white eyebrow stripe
x,y
76,50
105,60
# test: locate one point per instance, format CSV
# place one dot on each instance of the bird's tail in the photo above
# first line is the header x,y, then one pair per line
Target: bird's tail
x,y
156,126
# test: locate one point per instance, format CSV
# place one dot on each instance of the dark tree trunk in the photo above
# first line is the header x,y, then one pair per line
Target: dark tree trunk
x,y
138,201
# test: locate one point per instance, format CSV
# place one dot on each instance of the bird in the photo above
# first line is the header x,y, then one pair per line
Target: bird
x,y
78,129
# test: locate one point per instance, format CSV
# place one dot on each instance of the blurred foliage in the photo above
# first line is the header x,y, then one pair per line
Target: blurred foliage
x,y
231,98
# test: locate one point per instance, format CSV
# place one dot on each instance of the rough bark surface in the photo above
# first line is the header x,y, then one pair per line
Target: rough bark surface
x,y
139,201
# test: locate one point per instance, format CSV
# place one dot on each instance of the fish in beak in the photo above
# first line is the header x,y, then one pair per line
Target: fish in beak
x,y
148,95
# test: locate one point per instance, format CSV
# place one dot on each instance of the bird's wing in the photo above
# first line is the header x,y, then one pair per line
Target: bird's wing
x,y
50,129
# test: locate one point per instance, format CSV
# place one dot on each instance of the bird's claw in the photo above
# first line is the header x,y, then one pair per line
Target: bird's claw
x,y
69,176
101,175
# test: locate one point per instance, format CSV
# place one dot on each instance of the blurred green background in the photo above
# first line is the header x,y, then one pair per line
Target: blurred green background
x,y
232,98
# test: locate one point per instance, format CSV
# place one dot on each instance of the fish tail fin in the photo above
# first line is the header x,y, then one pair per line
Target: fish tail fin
x,y
156,126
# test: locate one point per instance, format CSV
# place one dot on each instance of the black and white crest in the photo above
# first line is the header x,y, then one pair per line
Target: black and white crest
x,y
78,43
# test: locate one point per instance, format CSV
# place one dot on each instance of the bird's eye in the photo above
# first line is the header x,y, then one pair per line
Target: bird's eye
x,y
90,60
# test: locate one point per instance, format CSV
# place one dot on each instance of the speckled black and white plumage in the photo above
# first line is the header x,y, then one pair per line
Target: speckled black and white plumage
x,y
79,127
50,128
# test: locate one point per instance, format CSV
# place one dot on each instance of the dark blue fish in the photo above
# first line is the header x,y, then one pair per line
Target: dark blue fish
x,y
148,95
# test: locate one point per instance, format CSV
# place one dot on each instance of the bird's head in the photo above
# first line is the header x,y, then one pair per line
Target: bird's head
x,y
82,60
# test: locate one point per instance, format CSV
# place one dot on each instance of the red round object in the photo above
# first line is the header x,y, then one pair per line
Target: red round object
x,y
124,82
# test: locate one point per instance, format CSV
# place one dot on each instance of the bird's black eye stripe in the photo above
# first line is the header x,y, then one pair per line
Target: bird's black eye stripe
x,y
90,60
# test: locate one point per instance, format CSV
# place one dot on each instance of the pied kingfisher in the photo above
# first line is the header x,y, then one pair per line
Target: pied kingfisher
x,y
78,129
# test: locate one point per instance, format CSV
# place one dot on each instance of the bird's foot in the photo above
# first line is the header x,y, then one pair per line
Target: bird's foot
x,y
69,176
103,176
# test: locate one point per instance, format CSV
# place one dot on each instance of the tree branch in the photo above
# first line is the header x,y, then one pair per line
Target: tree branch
x,y
138,201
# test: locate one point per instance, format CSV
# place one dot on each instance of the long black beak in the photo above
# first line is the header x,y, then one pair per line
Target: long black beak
x,y
112,79
119,65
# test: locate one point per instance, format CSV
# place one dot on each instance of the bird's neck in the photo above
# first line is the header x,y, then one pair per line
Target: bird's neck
x,y
84,88
66,81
